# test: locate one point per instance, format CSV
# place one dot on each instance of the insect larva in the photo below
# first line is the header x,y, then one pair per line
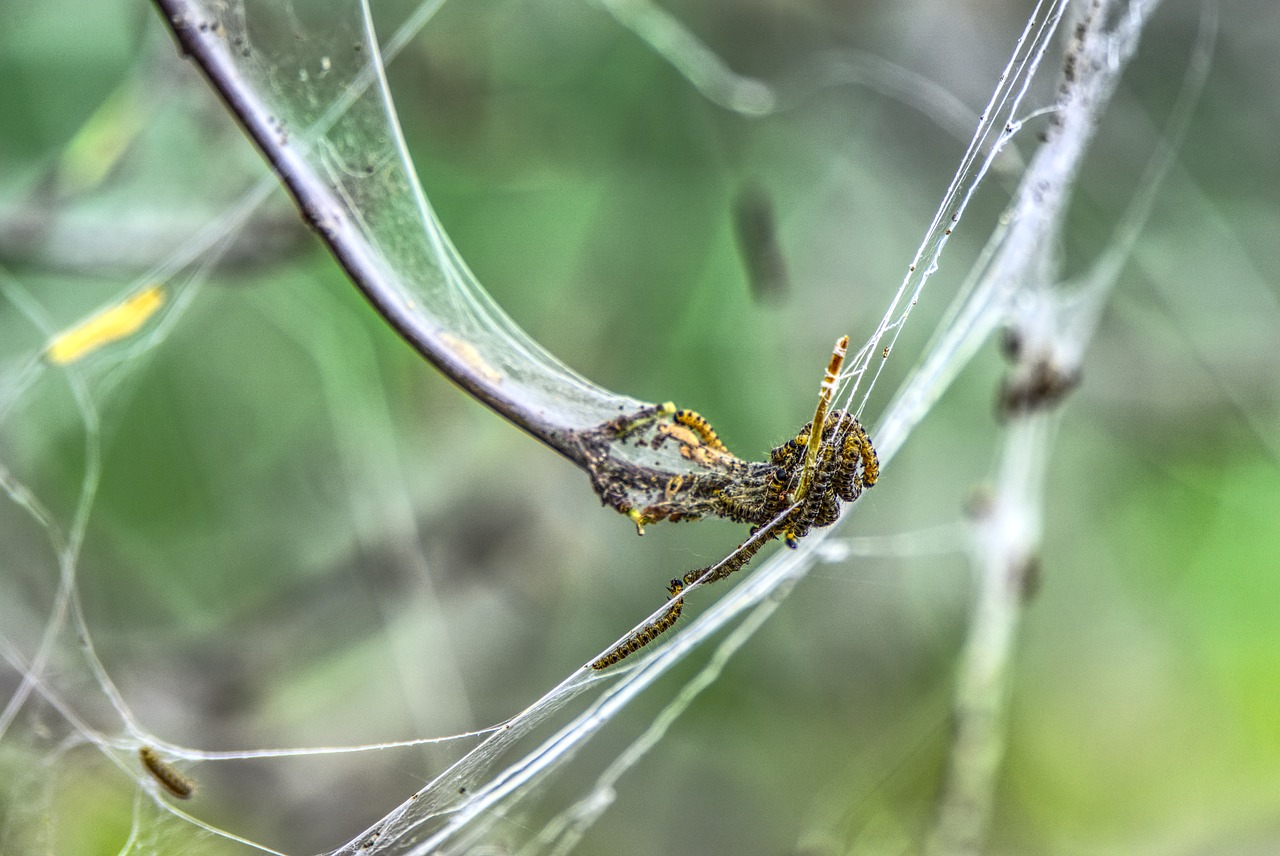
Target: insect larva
x,y
470,355
646,634
105,327
756,231
173,781
799,487
696,422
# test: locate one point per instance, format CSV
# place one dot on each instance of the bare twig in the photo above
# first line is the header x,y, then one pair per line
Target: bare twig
x,y
202,36
1048,333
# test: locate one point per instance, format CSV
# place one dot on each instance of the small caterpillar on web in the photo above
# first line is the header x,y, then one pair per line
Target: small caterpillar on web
x,y
106,326
173,781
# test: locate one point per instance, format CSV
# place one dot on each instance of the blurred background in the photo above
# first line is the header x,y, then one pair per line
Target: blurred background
x,y
302,535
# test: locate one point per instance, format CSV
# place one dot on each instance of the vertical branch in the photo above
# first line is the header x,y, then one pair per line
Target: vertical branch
x,y
1047,333
1005,548
825,391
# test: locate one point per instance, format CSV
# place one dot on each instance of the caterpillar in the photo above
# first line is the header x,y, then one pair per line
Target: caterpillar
x,y
169,777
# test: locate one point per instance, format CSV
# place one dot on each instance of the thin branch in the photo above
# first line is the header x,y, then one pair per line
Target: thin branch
x,y
1046,344
202,37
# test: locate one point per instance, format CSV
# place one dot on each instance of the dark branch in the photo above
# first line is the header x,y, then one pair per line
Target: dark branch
x,y
202,39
